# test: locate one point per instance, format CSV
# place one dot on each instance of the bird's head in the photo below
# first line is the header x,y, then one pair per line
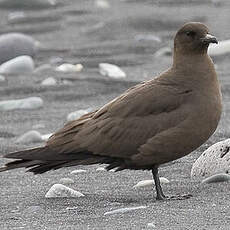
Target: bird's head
x,y
193,38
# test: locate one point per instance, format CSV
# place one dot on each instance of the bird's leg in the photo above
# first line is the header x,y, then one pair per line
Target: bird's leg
x,y
160,194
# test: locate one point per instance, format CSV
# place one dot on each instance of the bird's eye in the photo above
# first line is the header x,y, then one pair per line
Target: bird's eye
x,y
190,33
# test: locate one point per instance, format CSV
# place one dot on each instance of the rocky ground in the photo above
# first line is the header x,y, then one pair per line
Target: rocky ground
x,y
82,32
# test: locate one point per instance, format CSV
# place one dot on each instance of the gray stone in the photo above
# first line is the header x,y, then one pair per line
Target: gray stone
x,y
221,177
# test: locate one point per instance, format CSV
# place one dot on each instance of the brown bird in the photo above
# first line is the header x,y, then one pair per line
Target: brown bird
x,y
150,124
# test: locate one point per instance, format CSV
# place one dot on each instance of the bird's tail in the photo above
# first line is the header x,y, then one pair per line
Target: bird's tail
x,y
42,159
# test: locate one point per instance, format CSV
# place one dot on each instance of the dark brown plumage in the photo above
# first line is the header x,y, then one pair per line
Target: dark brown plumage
x,y
152,123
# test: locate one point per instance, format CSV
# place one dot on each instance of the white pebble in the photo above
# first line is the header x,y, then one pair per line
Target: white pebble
x,y
29,137
26,103
45,137
146,183
111,70
2,78
147,37
38,126
221,177
103,4
77,171
43,68
21,64
101,169
15,16
151,225
165,51
124,210
77,114
69,68
59,190
223,47
66,181
49,81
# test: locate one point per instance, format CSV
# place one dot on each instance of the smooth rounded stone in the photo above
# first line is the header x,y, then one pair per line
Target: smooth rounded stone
x,y
147,37
111,70
124,210
151,225
221,177
21,64
45,137
216,159
59,190
222,48
43,68
55,60
165,51
14,16
16,44
66,181
50,81
27,4
103,4
77,114
78,171
32,136
2,78
26,103
101,169
69,68
147,183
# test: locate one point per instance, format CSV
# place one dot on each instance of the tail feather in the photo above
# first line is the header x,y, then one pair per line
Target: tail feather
x,y
42,159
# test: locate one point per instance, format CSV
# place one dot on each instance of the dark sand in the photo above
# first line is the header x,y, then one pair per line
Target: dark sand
x,y
78,32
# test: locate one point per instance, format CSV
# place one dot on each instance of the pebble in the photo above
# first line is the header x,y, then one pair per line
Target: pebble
x,y
151,225
39,126
69,68
2,78
165,51
26,103
124,210
21,64
77,171
15,16
32,136
43,68
103,4
16,44
146,183
111,70
50,81
214,160
221,177
77,114
147,37
59,190
66,181
223,47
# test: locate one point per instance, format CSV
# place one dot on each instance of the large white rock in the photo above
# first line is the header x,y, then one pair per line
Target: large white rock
x,y
111,70
59,190
32,136
26,103
223,47
216,159
77,114
16,44
21,64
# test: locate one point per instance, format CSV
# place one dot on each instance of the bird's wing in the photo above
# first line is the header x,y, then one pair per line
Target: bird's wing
x,y
120,127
